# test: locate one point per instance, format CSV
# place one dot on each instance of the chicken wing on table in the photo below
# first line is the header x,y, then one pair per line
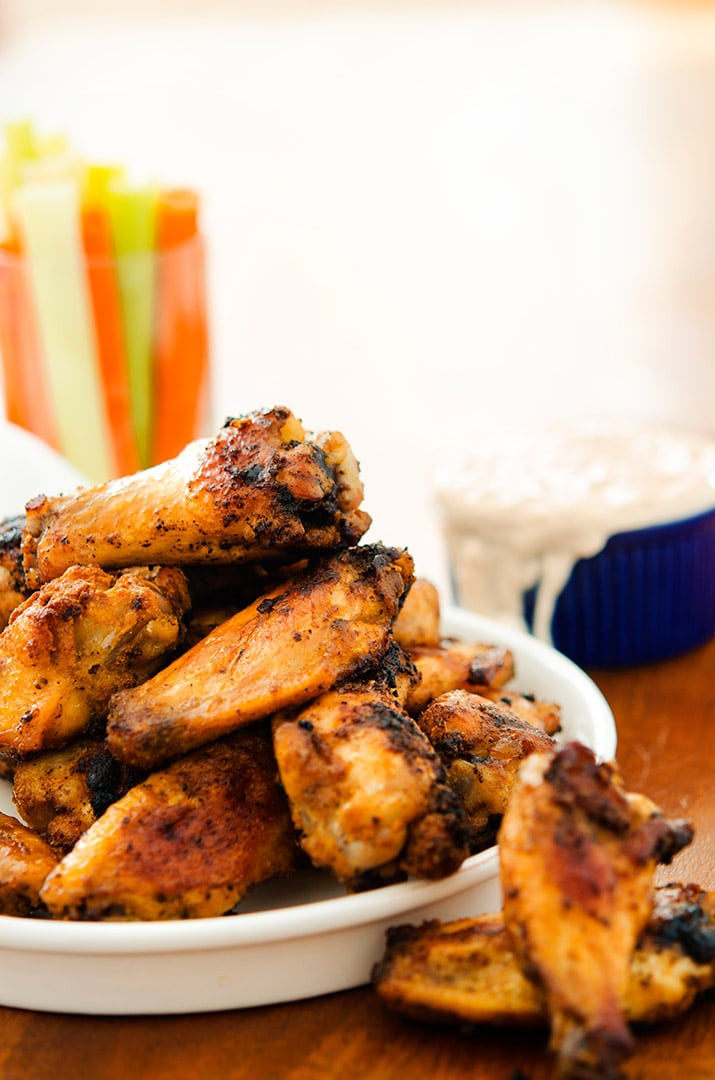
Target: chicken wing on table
x,y
482,744
577,857
366,789
260,489
25,861
78,640
287,647
466,971
188,842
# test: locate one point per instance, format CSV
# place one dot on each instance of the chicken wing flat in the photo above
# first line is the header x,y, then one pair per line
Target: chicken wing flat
x,y
12,577
367,791
545,715
418,621
60,793
577,860
25,862
77,641
455,665
467,971
187,842
260,489
282,650
482,745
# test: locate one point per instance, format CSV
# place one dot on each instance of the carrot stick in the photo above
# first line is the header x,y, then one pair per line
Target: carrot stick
x,y
109,332
181,341
26,399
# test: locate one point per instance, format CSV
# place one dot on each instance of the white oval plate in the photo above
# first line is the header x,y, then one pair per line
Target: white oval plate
x,y
293,939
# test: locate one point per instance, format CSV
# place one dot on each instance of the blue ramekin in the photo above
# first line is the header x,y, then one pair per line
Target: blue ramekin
x,y
648,595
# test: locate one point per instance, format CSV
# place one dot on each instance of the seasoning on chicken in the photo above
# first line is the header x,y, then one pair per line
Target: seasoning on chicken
x,y
60,793
261,489
467,971
367,791
544,715
577,860
290,646
12,578
78,640
418,622
188,842
482,745
456,665
25,862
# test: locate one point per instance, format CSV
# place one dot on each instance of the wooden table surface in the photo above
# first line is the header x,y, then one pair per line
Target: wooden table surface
x,y
666,723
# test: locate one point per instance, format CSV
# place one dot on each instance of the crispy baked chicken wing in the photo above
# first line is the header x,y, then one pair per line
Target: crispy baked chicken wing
x,y
78,640
577,860
281,651
25,862
188,842
366,789
60,793
418,621
456,665
544,715
260,489
12,577
482,745
467,970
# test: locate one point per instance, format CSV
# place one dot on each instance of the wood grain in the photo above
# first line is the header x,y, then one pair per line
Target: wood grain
x,y
666,720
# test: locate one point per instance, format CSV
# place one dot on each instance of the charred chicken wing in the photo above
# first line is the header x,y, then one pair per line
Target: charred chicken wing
x,y
282,650
77,641
454,665
13,589
187,842
260,489
25,862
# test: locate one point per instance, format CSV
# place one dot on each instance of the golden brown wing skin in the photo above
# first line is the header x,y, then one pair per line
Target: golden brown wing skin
x,y
467,971
418,621
60,793
188,842
25,862
12,577
259,489
366,789
456,665
281,651
482,746
545,715
577,861
77,641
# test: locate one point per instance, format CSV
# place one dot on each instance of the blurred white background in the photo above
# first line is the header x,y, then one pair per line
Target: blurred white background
x,y
426,223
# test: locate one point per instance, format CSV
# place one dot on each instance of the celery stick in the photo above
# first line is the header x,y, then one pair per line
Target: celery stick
x,y
48,220
97,180
133,216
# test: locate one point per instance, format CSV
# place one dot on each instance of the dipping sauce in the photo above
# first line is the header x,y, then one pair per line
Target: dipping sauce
x,y
518,513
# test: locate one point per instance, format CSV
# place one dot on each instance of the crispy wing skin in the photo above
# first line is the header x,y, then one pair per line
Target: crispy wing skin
x,y
25,862
418,621
366,790
454,665
60,793
467,971
545,715
482,746
77,641
260,489
12,577
281,651
188,842
577,861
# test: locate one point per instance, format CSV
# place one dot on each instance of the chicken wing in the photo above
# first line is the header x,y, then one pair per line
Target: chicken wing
x,y
418,621
366,789
545,715
456,665
482,746
282,650
187,842
77,641
260,489
467,971
25,862
12,578
577,861
60,793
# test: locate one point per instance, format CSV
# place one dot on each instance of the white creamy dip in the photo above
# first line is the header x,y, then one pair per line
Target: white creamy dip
x,y
520,513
